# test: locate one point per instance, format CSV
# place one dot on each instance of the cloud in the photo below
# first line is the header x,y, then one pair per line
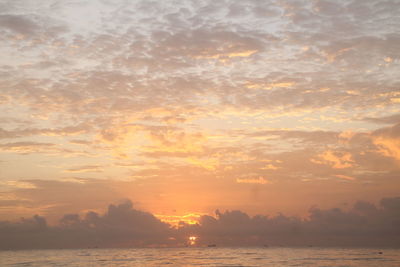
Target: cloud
x,y
388,141
28,147
19,184
259,180
62,131
18,24
85,168
120,226
363,225
123,226
389,147
345,177
338,160
305,136
392,119
202,44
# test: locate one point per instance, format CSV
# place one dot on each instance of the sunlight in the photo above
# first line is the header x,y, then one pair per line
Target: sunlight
x,y
192,240
189,218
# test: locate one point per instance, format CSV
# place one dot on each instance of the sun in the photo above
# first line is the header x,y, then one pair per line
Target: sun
x,y
192,240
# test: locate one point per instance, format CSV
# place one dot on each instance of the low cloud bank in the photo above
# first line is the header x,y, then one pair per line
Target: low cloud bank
x,y
123,226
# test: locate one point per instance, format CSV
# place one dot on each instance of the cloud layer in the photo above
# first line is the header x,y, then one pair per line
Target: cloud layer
x,y
123,226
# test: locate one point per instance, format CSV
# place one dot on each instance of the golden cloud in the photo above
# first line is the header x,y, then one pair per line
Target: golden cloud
x,y
259,180
337,160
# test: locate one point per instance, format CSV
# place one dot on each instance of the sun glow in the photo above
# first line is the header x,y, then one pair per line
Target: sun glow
x,y
190,218
192,240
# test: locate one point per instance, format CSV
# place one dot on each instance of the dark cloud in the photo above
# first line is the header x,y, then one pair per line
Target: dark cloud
x,y
392,119
123,226
363,225
120,226
390,132
19,24
328,8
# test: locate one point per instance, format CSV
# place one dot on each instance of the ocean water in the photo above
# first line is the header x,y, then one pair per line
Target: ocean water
x,y
203,257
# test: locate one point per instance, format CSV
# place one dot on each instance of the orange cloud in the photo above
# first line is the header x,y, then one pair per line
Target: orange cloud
x,y
337,160
190,218
388,146
19,184
208,163
245,53
269,86
259,180
269,167
85,168
345,177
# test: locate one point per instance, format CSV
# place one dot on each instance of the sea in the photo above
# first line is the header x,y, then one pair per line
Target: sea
x,y
213,256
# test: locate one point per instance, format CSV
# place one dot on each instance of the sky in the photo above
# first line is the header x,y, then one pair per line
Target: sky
x,y
186,107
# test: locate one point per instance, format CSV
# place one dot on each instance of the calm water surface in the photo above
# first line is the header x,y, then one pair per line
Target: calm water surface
x,y
203,257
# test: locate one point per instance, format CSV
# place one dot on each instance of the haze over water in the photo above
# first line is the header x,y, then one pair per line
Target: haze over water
x,y
188,257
